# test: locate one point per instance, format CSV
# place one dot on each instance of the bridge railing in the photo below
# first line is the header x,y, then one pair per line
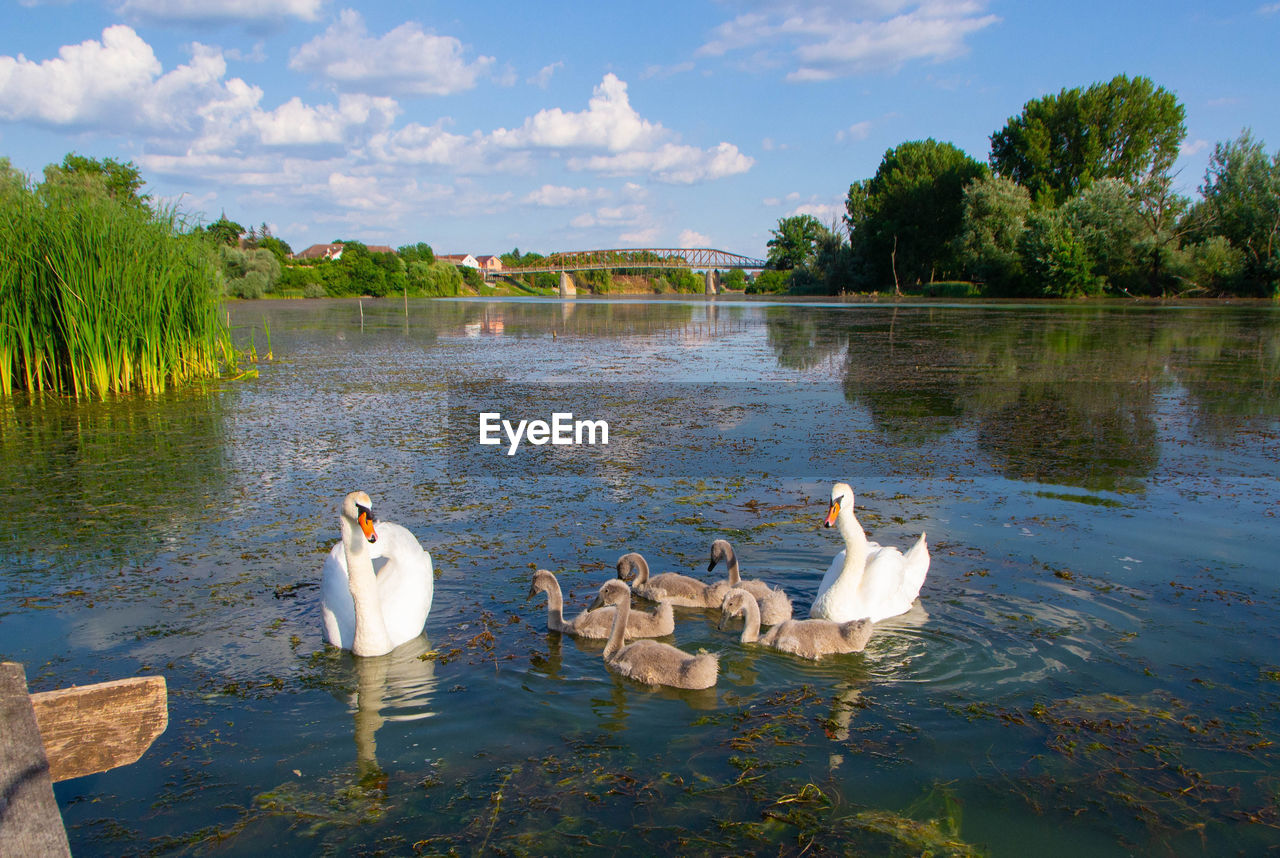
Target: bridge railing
x,y
633,257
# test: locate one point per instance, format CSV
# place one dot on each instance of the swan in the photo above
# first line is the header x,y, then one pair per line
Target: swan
x,y
599,622
775,607
805,638
866,579
377,584
649,661
670,586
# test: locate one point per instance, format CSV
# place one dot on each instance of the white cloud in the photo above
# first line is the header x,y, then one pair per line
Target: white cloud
x,y
1195,147
198,11
659,71
856,131
671,162
554,196
825,39
609,122
406,60
295,123
640,237
112,83
1269,9
827,213
690,238
543,77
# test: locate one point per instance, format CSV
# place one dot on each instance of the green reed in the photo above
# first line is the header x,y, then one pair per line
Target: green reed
x,y
100,297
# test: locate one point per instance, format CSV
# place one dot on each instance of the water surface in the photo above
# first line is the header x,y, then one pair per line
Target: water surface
x,y
1092,664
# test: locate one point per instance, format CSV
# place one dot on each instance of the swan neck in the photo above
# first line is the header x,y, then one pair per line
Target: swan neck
x,y
618,632
642,571
555,607
855,543
751,625
371,636
735,574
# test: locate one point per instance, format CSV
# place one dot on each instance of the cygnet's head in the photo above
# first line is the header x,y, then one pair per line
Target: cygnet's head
x,y
357,507
631,564
543,582
613,592
841,498
721,552
735,603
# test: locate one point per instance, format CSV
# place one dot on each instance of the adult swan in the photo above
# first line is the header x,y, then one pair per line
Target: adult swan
x,y
377,584
866,579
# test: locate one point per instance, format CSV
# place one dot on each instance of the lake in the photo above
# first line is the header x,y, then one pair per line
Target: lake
x,y
1092,667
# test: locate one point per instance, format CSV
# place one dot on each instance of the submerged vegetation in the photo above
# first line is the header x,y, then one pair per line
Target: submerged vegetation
x,y
99,292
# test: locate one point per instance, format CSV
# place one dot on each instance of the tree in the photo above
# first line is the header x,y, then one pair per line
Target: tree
x,y
1105,219
120,180
1242,203
1123,129
903,221
420,252
793,241
224,231
735,280
994,218
1056,258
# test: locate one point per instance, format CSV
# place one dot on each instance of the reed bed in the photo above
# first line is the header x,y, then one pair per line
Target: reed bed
x,y
100,297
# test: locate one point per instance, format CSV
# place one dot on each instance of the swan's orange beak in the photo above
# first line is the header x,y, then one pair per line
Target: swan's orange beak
x,y
366,524
832,513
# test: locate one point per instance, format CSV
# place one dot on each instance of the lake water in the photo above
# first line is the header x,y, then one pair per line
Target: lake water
x,y
1092,668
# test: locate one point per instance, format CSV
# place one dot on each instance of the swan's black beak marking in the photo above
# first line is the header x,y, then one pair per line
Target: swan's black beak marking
x,y
832,513
366,519
711,565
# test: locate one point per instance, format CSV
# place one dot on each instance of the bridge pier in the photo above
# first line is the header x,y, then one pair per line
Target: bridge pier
x,y
712,281
567,289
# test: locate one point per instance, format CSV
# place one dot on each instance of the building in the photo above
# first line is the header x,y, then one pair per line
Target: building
x,y
321,251
489,264
461,259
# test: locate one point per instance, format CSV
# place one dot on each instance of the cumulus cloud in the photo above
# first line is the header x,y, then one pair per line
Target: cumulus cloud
x,y
116,83
822,39
407,60
690,238
609,122
672,163
208,11
856,131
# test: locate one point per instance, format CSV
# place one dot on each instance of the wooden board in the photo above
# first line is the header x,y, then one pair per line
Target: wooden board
x,y
29,820
93,728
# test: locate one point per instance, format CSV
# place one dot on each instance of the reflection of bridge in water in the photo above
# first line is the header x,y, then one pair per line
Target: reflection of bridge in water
x,y
691,258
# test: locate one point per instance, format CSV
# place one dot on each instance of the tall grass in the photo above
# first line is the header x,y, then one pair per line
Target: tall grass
x,y
100,297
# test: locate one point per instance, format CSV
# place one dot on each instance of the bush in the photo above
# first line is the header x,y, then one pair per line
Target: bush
x,y
769,282
313,290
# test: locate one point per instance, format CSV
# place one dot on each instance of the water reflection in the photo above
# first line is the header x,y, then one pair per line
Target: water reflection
x,y
398,686
1067,397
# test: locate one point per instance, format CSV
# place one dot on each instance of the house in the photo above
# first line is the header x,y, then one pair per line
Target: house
x,y
334,251
461,259
321,251
489,264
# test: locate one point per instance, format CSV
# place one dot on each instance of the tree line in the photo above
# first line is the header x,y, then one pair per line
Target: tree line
x,y
1076,199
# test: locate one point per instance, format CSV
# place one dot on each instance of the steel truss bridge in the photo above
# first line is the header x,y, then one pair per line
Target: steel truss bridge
x,y
700,258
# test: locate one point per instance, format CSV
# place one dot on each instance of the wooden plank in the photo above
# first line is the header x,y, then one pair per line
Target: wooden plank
x,y
29,820
92,728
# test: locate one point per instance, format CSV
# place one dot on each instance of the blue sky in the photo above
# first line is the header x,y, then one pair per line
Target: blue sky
x,y
484,126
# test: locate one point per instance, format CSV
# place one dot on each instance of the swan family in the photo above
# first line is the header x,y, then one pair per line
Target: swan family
x,y
377,586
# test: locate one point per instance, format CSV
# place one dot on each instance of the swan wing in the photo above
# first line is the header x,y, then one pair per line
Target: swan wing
x,y
822,602
337,609
406,581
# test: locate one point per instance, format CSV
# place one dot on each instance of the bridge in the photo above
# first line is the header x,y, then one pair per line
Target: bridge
x,y
699,258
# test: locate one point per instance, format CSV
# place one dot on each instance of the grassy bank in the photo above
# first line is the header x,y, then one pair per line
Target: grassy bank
x,y
98,296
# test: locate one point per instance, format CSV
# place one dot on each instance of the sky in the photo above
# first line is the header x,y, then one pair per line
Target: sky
x,y
480,127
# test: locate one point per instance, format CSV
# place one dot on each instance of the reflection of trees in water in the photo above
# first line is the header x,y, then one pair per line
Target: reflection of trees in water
x,y
94,477
1060,395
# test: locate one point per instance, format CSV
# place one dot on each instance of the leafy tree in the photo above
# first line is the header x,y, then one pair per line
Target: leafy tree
x,y
1123,129
1056,258
903,221
420,252
1105,219
1242,203
994,218
1162,215
793,241
224,231
770,281
120,180
470,276
434,278
735,280
830,270
278,247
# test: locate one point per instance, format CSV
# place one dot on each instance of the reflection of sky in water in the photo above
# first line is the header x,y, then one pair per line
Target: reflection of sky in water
x,y
1099,497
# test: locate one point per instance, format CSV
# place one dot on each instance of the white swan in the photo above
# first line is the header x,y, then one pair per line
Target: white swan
x,y
806,638
866,580
377,584
774,605
649,661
